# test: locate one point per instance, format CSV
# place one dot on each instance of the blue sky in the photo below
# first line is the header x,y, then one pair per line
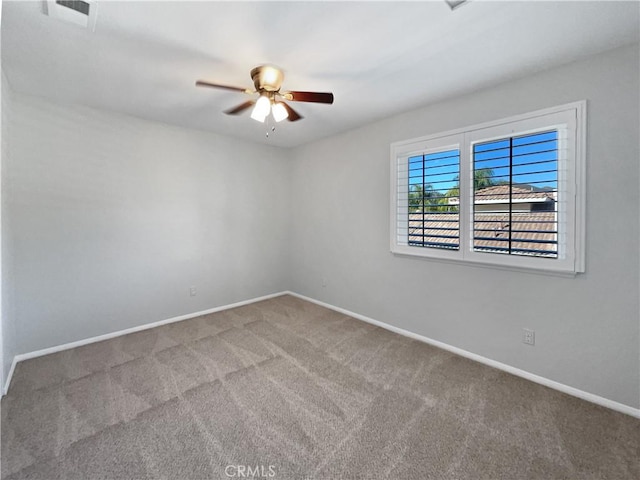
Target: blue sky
x,y
534,162
442,169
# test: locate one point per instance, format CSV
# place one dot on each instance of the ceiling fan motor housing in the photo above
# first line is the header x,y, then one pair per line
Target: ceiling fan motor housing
x,y
267,78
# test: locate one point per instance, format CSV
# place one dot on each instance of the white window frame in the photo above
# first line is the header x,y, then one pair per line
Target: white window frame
x,y
569,118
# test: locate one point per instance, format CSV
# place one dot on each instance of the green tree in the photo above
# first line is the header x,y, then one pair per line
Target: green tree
x,y
423,198
482,178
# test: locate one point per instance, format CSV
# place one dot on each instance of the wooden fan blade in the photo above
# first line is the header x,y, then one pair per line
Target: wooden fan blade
x,y
240,108
203,83
293,115
315,97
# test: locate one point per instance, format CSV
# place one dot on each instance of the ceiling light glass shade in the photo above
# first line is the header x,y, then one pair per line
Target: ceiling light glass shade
x,y
257,117
279,112
261,110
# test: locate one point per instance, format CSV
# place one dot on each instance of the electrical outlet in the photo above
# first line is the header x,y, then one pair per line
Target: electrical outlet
x,y
324,282
528,336
192,291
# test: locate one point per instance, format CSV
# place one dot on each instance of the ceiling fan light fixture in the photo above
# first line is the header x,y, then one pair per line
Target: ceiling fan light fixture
x,y
267,80
262,108
279,112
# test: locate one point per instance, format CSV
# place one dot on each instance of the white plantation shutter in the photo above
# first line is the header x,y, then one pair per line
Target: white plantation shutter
x,y
425,211
516,193
433,201
535,162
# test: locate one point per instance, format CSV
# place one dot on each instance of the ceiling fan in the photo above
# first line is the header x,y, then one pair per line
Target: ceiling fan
x,y
267,80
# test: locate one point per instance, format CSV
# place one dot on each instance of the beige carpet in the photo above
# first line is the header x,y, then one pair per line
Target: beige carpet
x,y
286,389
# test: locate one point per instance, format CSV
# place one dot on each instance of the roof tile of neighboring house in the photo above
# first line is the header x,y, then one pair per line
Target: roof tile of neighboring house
x,y
491,227
501,192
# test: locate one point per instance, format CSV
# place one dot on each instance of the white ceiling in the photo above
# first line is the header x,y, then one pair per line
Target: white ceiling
x,y
378,58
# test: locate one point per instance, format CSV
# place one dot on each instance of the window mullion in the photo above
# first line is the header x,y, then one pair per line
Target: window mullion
x,y
422,200
465,200
510,194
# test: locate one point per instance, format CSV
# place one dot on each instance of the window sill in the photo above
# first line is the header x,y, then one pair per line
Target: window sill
x,y
489,264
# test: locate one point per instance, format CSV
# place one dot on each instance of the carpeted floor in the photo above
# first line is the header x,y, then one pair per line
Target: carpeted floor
x,y
286,389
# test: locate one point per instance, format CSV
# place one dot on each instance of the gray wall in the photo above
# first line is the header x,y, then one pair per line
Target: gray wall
x,y
7,318
587,328
112,219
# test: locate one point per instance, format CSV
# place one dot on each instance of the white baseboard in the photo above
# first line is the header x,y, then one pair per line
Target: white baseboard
x,y
14,362
59,348
589,397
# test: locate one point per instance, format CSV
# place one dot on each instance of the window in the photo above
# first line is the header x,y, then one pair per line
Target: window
x,y
508,193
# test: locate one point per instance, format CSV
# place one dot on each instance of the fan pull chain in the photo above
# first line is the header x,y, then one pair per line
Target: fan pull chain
x,y
273,127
